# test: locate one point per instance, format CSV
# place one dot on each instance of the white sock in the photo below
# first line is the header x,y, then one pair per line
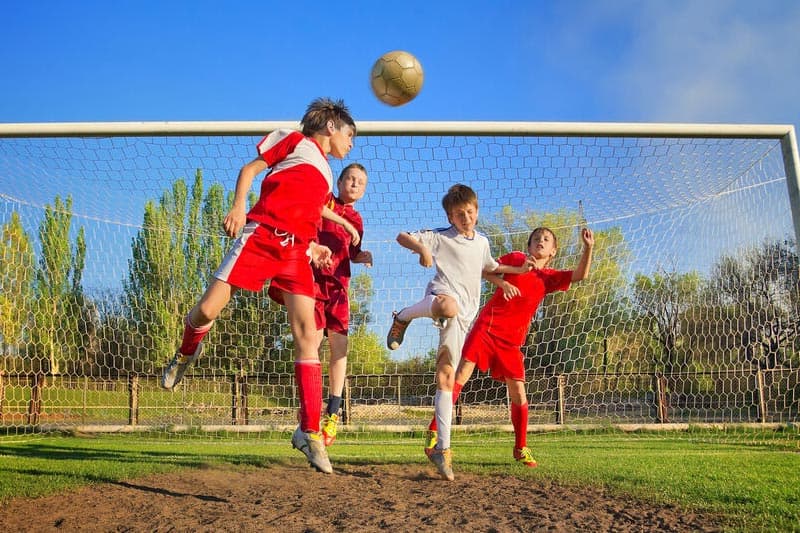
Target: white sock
x,y
420,309
443,411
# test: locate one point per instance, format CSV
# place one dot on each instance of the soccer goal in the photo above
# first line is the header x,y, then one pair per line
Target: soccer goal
x,y
690,316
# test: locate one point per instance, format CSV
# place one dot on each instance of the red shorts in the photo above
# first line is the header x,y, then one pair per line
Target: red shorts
x,y
263,253
502,359
332,309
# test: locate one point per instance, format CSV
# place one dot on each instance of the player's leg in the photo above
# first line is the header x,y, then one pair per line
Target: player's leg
x,y
337,372
441,455
519,419
308,375
438,307
463,373
196,325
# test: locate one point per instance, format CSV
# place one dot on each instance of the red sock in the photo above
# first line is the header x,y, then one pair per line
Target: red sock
x,y
309,387
456,391
192,336
519,419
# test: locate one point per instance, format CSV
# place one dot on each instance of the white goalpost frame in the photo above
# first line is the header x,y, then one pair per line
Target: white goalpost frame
x,y
785,134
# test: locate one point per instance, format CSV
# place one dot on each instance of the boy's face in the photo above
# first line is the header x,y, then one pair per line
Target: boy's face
x,y
352,185
542,246
464,217
342,141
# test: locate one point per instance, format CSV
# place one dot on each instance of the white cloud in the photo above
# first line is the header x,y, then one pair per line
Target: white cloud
x,y
696,61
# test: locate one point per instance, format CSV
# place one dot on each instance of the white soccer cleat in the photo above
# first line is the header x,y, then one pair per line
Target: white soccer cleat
x,y
173,374
312,447
443,459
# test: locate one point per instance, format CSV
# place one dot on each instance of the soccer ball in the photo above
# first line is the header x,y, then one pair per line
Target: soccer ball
x,y
396,78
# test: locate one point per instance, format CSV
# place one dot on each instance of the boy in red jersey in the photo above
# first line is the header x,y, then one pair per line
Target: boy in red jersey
x,y
498,333
332,310
276,244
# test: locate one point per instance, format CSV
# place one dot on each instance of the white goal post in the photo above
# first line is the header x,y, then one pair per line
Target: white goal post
x,y
691,314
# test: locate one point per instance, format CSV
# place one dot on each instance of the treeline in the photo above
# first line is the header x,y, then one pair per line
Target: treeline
x,y
745,312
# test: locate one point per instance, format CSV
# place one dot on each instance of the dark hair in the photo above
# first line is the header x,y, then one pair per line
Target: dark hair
x,y
458,195
542,229
359,166
322,110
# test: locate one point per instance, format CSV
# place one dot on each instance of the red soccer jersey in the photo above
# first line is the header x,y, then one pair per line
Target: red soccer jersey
x,y
335,237
511,319
298,184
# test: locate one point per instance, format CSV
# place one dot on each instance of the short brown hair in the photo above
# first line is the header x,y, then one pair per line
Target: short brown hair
x,y
457,195
359,166
320,111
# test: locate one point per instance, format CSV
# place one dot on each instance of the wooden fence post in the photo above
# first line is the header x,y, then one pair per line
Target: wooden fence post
x,y
561,412
133,399
662,405
762,402
35,404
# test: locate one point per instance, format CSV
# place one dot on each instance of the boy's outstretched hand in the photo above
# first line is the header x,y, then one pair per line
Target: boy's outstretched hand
x,y
587,237
234,221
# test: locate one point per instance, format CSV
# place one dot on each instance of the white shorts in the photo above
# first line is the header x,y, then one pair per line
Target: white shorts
x,y
451,338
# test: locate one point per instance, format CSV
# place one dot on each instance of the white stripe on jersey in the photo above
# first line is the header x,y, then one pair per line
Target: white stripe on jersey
x,y
306,152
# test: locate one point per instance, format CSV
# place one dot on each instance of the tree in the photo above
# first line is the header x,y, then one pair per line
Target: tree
x,y
157,275
662,298
56,333
17,263
761,289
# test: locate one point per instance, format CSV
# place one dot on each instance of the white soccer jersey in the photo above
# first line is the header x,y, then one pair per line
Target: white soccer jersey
x,y
459,263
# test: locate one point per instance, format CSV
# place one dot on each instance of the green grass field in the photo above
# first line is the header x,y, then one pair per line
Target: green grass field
x,y
755,484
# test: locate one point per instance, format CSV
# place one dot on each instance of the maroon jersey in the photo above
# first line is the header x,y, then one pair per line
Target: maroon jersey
x,y
335,237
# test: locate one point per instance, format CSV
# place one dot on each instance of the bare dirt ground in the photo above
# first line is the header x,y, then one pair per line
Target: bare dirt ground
x,y
291,498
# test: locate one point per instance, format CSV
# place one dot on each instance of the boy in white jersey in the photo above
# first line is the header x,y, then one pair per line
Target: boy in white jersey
x,y
452,298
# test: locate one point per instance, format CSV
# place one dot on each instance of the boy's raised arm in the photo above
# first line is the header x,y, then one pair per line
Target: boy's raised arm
x,y
407,241
328,214
235,219
581,271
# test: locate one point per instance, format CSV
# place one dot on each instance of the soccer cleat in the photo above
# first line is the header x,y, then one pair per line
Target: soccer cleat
x,y
443,459
173,374
524,456
312,447
396,332
431,437
329,429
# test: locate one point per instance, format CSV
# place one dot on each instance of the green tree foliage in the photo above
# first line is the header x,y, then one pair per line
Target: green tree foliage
x,y
59,323
663,298
156,288
17,262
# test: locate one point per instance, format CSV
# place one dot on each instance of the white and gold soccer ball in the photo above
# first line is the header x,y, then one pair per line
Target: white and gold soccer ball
x,y
396,78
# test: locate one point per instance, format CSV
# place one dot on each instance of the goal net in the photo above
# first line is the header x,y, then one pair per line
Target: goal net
x,y
690,315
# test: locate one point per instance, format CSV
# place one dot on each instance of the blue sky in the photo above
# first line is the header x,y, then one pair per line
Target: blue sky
x,y
572,60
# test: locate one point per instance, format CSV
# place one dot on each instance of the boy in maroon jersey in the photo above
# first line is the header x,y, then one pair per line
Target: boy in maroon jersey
x,y
277,244
495,339
332,310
